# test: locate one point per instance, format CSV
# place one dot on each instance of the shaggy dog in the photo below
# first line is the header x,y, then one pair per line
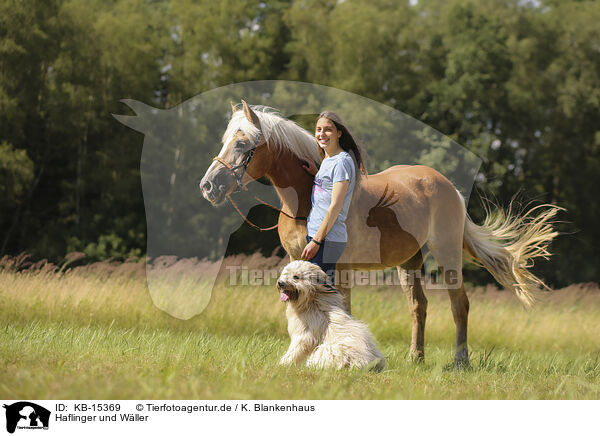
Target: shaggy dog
x,y
320,329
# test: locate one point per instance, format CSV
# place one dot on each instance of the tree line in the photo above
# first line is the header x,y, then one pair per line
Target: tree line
x,y
516,82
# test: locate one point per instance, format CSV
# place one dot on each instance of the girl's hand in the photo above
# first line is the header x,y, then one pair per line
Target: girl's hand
x,y
310,167
310,251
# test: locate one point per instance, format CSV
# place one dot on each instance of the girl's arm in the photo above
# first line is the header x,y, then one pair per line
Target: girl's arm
x,y
337,200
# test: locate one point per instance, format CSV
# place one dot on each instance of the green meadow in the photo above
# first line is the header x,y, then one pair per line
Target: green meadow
x,y
93,332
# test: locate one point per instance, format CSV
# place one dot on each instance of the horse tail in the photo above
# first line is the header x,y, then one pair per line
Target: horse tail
x,y
506,244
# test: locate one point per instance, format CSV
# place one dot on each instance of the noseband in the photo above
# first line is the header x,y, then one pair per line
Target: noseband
x,y
240,186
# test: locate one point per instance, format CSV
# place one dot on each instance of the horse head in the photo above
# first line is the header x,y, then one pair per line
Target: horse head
x,y
243,158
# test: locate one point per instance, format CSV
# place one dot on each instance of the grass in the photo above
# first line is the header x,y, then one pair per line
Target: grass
x,y
93,332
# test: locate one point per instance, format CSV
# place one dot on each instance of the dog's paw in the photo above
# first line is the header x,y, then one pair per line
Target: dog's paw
x,y
286,360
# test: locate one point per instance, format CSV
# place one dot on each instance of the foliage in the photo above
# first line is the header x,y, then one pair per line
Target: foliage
x,y
16,173
514,82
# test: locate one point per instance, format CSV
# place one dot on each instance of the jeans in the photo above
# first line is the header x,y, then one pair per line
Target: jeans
x,y
327,256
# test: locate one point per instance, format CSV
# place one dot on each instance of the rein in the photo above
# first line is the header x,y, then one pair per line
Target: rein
x,y
261,229
240,187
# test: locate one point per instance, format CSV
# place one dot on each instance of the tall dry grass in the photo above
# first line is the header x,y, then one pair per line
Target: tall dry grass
x,y
93,331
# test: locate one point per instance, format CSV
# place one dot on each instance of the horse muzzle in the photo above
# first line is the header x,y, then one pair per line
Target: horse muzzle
x,y
212,192
215,187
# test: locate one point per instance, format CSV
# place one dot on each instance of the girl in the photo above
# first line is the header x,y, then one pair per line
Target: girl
x,y
332,192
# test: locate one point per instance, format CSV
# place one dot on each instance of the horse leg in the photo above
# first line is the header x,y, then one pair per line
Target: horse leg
x,y
343,282
452,281
446,244
346,293
410,280
460,313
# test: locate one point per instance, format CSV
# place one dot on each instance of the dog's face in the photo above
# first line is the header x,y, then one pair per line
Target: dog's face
x,y
299,281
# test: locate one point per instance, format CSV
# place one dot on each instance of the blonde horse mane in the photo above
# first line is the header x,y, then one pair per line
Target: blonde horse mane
x,y
279,132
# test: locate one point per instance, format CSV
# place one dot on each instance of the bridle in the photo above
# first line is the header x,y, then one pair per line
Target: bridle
x,y
240,186
245,162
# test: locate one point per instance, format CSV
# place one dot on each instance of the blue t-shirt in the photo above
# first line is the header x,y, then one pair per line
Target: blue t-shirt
x,y
333,169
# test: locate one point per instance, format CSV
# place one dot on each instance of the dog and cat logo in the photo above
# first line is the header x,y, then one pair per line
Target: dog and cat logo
x,y
26,415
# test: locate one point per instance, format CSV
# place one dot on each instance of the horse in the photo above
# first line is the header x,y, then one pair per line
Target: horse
x,y
405,211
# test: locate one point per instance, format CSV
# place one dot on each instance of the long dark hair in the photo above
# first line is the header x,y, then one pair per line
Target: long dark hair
x,y
347,141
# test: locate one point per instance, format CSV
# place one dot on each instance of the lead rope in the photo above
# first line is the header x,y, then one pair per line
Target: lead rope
x,y
260,229
241,187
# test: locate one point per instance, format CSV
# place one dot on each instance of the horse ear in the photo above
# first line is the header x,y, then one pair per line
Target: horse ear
x,y
234,108
250,115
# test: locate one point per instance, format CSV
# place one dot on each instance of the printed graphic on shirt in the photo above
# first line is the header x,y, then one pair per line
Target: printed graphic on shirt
x,y
318,186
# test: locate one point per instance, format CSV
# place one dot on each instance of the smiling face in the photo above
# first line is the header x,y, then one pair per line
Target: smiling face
x,y
327,135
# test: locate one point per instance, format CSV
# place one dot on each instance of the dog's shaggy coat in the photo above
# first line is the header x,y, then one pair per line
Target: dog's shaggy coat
x,y
321,330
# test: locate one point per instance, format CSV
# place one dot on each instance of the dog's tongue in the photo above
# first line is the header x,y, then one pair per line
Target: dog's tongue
x,y
284,297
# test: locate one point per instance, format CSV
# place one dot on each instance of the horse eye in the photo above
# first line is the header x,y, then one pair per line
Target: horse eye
x,y
296,278
240,144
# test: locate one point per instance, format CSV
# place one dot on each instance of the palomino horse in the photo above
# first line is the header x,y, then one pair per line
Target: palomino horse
x,y
413,208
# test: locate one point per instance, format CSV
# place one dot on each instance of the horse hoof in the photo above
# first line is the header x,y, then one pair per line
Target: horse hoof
x,y
461,363
416,357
